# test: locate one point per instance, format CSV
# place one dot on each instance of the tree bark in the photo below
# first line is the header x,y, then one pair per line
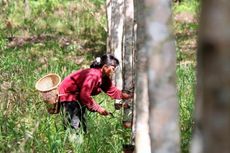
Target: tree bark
x,y
115,14
160,48
127,60
213,80
142,139
109,16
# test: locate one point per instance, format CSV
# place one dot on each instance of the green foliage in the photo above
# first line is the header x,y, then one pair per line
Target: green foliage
x,y
191,6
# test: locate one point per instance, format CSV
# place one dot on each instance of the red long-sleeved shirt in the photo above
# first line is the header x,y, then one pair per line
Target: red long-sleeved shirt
x,y
82,84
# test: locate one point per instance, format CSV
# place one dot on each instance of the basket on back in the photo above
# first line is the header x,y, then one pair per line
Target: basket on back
x,y
48,88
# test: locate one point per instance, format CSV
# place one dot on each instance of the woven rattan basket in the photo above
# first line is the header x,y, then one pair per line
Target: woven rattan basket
x,y
47,86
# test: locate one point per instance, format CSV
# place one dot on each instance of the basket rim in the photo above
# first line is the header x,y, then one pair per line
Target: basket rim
x,y
50,74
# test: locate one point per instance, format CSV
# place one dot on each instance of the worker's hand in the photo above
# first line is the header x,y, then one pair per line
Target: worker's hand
x,y
103,112
127,95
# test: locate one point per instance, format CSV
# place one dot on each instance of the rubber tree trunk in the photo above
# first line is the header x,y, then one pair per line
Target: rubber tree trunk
x,y
142,139
212,110
109,16
128,44
128,65
161,69
115,16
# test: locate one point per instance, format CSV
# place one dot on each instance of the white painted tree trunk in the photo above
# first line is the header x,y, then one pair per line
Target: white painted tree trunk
x,y
212,112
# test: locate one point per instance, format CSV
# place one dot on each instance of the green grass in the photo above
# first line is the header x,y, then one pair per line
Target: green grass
x,y
186,34
191,6
186,93
75,29
26,125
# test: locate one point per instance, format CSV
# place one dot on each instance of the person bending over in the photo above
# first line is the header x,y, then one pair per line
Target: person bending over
x,y
77,89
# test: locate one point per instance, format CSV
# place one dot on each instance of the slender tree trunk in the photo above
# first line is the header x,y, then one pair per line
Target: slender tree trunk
x,y
109,16
115,14
128,43
142,139
160,48
128,75
213,80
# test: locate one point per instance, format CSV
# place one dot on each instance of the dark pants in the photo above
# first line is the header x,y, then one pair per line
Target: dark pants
x,y
73,115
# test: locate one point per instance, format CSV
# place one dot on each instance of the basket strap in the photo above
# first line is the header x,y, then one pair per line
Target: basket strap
x,y
59,95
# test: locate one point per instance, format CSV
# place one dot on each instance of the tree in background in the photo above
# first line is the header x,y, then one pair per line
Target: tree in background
x,y
120,42
128,66
115,18
212,112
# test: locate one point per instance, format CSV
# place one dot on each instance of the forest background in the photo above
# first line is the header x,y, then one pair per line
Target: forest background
x,y
60,36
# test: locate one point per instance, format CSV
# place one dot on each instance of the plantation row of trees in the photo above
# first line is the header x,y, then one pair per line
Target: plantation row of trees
x,y
155,84
154,53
